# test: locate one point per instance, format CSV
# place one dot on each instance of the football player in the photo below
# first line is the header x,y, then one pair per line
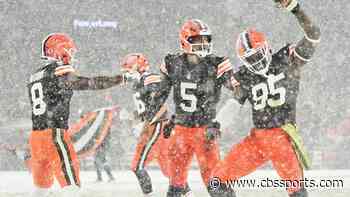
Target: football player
x,y
151,143
50,91
100,160
270,83
196,76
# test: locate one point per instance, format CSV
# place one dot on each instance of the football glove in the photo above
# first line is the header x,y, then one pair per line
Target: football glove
x,y
168,127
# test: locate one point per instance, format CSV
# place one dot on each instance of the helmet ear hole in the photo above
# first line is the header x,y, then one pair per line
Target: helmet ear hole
x,y
49,51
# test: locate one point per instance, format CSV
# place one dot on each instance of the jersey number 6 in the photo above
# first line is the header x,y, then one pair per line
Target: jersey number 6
x,y
264,89
140,105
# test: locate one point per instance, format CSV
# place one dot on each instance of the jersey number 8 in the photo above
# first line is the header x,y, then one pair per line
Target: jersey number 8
x,y
266,89
39,106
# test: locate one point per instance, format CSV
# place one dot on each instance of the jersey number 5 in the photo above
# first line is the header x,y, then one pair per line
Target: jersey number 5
x,y
264,90
184,86
39,106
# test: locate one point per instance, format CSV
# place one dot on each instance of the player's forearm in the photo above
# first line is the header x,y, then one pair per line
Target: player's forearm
x,y
104,82
157,101
239,95
159,98
230,81
96,83
311,30
164,90
306,47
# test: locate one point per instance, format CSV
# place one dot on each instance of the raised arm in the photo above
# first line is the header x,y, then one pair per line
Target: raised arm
x,y
305,48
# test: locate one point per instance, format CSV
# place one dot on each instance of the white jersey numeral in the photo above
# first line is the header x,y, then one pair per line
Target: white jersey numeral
x,y
260,101
184,86
39,106
140,105
264,90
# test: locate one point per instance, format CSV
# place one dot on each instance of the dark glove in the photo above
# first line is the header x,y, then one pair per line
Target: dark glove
x,y
213,131
168,127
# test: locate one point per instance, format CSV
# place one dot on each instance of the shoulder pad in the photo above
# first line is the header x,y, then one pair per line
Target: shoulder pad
x,y
37,76
172,56
284,53
166,66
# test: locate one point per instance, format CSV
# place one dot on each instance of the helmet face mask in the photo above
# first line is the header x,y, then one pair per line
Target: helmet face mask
x,y
132,75
195,38
254,51
257,61
201,45
134,64
71,55
130,69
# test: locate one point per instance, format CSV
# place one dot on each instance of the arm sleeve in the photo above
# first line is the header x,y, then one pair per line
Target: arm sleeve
x,y
225,74
303,50
156,101
239,93
93,83
161,92
164,89
152,84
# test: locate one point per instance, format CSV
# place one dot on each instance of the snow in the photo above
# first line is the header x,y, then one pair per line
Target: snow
x,y
126,184
105,31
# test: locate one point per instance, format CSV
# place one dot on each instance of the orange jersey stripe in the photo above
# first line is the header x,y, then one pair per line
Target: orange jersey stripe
x,y
224,67
62,70
234,82
152,79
